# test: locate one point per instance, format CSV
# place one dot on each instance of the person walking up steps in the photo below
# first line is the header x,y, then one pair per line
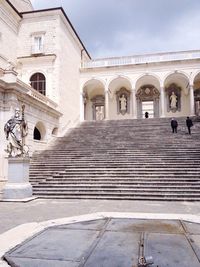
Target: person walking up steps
x,y
174,125
189,124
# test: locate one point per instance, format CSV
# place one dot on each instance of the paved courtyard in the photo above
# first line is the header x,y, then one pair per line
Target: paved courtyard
x,y
122,233
13,214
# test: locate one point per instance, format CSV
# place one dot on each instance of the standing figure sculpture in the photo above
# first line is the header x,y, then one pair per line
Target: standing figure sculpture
x,y
173,101
123,103
15,130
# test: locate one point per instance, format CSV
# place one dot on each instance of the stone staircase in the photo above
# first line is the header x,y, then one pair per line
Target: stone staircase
x,y
126,159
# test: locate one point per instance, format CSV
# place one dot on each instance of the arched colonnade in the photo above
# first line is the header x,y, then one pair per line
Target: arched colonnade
x,y
175,94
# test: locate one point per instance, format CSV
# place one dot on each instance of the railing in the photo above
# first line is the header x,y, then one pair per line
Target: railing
x,y
34,93
141,59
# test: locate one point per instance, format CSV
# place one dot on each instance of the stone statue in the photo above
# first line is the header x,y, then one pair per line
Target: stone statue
x,y
123,103
99,113
173,101
15,130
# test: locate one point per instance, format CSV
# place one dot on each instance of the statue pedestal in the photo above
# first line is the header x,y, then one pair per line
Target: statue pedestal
x,y
18,186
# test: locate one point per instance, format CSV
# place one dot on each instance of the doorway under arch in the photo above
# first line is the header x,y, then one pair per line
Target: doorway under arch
x,y
148,101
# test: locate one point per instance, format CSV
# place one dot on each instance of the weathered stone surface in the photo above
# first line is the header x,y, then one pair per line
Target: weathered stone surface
x,y
170,250
90,225
57,244
192,228
26,262
137,225
110,243
115,249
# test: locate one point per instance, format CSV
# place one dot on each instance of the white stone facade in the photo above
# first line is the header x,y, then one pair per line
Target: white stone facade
x,y
73,88
109,76
43,43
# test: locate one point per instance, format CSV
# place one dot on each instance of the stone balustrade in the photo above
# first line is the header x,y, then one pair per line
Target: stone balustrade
x,y
141,59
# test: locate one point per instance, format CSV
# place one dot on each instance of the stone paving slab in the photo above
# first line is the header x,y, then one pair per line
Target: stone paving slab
x,y
170,250
115,249
192,228
57,244
88,225
26,262
111,242
139,225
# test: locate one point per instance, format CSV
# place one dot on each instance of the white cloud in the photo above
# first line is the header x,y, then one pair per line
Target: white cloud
x,y
128,27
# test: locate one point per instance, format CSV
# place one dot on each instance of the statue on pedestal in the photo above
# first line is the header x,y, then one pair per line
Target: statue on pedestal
x,y
15,130
123,103
173,101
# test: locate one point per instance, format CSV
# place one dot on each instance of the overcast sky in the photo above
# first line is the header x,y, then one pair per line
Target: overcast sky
x,y
128,27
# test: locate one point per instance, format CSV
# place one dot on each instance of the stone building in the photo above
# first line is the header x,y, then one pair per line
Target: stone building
x,y
44,65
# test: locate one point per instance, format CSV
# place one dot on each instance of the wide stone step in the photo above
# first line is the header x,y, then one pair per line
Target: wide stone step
x,y
114,187
111,182
141,182
45,195
127,160
122,194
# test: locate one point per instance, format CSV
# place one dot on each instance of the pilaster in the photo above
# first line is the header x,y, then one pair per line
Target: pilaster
x,y
82,108
106,105
162,102
192,113
134,103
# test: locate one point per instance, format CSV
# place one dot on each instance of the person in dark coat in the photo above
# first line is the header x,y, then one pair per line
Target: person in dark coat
x,y
174,125
146,115
189,124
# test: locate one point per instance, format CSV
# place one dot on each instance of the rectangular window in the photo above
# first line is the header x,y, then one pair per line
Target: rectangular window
x,y
37,43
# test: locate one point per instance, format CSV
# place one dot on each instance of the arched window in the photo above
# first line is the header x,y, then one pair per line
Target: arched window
x,y
36,134
38,82
39,132
55,131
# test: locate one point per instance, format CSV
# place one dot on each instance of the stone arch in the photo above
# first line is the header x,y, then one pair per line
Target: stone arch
x,y
94,99
93,80
176,86
195,76
39,131
148,95
55,131
150,78
124,77
180,73
118,82
120,88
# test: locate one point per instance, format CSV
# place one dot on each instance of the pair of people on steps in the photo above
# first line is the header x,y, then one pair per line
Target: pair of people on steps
x,y
174,125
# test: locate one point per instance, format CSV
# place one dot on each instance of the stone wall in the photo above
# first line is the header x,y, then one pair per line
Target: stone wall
x,y
9,26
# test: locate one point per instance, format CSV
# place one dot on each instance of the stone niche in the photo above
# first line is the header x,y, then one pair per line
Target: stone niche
x,y
177,91
98,107
123,95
